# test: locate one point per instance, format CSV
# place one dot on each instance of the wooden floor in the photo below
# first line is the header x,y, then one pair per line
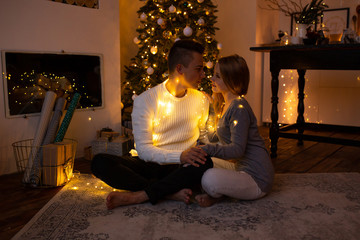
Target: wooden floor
x,y
19,204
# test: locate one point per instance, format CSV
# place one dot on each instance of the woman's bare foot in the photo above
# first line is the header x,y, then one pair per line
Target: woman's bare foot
x,y
116,199
204,200
183,195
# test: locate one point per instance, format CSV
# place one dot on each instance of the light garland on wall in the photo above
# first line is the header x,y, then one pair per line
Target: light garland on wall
x,y
28,90
288,97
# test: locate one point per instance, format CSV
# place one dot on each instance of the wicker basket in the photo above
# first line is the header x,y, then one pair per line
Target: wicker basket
x,y
45,166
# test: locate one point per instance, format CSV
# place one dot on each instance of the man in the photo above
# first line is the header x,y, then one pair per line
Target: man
x,y
167,121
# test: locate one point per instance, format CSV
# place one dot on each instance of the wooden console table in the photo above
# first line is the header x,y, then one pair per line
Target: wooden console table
x,y
302,58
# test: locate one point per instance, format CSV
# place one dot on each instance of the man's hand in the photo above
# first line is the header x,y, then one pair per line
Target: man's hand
x,y
193,156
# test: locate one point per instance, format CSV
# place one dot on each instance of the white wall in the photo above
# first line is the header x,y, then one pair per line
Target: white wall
x,y
237,23
129,22
42,25
331,97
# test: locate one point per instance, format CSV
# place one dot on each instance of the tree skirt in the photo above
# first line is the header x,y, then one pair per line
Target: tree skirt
x,y
301,206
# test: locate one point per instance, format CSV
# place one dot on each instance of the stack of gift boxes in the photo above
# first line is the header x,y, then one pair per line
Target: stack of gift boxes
x,y
111,142
58,162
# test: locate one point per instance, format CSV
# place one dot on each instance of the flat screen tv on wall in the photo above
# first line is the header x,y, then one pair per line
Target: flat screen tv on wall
x,y
29,75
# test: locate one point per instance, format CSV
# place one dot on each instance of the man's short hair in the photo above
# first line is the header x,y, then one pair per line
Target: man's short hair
x,y
181,53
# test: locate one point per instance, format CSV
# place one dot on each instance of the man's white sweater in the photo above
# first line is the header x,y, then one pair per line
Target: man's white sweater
x,y
164,126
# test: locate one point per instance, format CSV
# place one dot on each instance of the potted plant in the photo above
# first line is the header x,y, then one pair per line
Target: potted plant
x,y
306,15
310,13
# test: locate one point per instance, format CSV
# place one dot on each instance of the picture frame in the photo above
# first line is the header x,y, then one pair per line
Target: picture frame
x,y
27,75
83,3
336,20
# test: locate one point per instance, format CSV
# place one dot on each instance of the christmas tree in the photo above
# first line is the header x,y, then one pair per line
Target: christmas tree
x,y
162,23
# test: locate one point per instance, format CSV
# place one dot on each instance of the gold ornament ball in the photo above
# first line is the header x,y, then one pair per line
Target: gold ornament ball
x,y
154,50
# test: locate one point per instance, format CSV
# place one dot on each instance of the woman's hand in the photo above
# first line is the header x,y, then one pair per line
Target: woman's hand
x,y
193,156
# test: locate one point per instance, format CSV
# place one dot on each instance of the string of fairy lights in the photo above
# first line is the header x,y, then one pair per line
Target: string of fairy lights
x,y
93,184
162,22
288,95
30,87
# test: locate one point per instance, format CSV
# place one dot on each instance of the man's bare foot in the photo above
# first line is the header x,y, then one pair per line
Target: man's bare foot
x,y
183,195
204,200
116,199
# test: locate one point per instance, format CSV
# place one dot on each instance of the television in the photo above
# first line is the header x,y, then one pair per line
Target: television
x,y
28,75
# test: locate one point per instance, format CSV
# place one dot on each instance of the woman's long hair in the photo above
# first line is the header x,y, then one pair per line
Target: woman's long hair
x,y
236,76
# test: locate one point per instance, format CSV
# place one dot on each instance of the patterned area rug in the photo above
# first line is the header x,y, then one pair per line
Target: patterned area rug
x,y
301,206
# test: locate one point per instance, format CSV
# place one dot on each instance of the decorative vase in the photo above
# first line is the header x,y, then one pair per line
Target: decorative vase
x,y
300,30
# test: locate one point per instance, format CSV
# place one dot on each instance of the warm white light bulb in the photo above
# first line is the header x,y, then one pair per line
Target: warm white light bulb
x,y
154,49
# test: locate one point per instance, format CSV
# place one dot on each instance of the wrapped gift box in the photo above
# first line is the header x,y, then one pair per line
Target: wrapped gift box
x,y
108,135
58,162
119,146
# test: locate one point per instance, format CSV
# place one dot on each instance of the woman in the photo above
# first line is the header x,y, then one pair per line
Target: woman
x,y
242,166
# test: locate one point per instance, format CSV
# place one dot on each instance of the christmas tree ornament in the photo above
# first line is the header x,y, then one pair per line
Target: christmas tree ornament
x,y
150,70
201,21
145,63
188,31
160,21
154,50
172,9
143,17
209,64
133,64
136,40
219,46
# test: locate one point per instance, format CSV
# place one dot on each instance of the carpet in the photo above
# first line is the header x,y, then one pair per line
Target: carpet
x,y
309,206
